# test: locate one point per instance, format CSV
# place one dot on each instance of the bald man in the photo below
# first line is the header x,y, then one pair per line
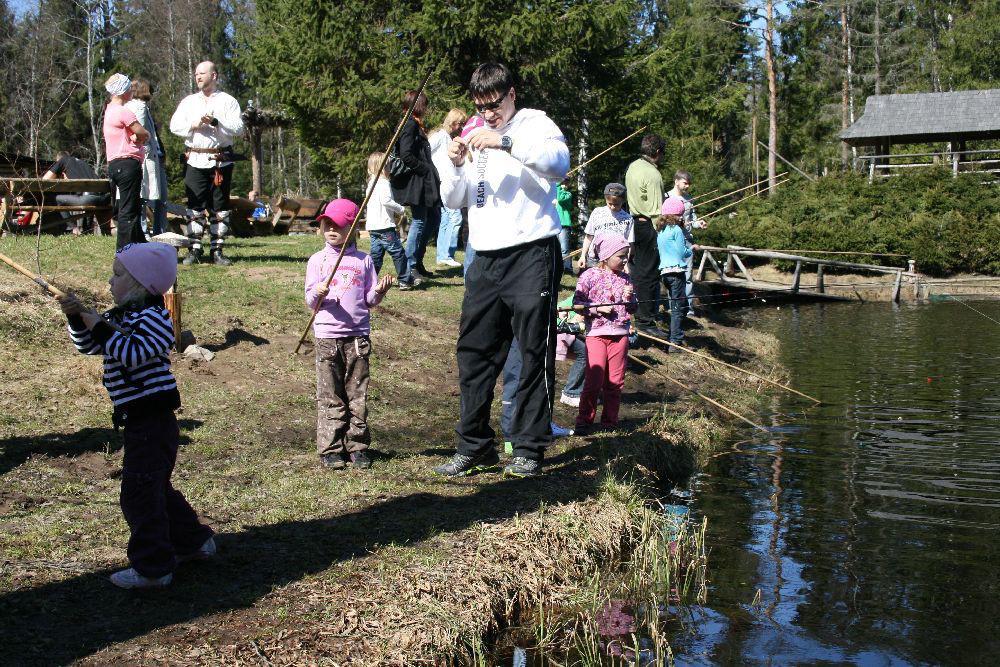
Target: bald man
x,y
209,121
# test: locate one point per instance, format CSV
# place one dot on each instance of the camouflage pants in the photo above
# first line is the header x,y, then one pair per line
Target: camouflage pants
x,y
341,395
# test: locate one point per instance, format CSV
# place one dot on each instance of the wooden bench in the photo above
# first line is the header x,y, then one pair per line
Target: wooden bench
x,y
38,190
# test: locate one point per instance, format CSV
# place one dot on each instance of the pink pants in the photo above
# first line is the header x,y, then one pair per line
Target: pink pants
x,y
605,371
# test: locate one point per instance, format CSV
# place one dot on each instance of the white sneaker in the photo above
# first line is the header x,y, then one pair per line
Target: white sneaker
x,y
450,262
570,400
206,550
130,579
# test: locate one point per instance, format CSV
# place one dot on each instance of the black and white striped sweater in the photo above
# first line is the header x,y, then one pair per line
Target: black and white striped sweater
x,y
136,363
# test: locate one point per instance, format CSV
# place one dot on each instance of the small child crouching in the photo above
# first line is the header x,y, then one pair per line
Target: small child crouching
x,y
674,253
135,338
607,330
342,327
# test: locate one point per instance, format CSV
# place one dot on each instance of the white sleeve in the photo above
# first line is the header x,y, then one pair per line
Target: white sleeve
x,y
230,120
630,230
454,182
385,197
591,223
545,153
181,122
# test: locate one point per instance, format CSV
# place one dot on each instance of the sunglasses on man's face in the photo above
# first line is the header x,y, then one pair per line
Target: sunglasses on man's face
x,y
491,106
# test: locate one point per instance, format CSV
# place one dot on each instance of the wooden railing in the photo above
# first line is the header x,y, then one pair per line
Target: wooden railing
x,y
883,166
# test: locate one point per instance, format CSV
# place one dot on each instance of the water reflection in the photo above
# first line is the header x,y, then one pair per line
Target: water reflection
x,y
868,524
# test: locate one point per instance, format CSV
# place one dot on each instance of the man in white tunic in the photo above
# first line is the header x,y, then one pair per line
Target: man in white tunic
x,y
208,120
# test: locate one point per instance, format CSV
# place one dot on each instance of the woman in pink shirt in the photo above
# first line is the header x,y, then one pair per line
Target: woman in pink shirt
x,y
124,137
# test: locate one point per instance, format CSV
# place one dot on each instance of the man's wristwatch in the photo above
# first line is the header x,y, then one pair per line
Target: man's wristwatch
x,y
506,143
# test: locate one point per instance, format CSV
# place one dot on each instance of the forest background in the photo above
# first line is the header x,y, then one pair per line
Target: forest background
x,y
695,71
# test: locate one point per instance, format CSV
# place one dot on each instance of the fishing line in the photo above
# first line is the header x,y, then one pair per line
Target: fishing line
x,y
975,310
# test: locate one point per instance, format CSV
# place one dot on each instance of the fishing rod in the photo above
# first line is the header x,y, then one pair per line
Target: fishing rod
x,y
740,201
368,195
729,194
705,194
696,392
727,365
581,166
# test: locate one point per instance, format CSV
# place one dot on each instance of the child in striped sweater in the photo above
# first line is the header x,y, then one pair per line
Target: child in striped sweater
x,y
135,338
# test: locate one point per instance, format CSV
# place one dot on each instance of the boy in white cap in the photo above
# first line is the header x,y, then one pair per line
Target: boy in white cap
x,y
135,338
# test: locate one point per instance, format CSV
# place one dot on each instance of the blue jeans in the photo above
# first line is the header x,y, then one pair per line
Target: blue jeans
x,y
574,381
424,225
447,238
470,254
564,247
674,285
387,240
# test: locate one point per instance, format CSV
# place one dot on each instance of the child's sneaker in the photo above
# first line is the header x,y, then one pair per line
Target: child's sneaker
x,y
461,465
566,399
130,579
206,550
404,287
560,432
522,467
333,461
361,460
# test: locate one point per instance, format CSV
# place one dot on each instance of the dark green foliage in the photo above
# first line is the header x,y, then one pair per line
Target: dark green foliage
x,y
946,225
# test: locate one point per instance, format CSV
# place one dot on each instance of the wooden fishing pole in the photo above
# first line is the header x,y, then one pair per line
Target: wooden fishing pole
x,y
368,195
581,166
41,282
696,393
740,201
572,254
729,194
727,365
705,194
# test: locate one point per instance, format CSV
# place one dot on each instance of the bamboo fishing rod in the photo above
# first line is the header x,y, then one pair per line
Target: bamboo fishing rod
x,y
368,195
729,194
696,393
572,254
740,201
728,365
41,282
581,166
705,194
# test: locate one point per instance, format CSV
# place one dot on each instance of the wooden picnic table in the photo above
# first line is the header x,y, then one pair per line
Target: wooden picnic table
x,y
38,190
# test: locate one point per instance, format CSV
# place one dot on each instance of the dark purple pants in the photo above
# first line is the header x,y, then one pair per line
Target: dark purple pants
x,y
162,523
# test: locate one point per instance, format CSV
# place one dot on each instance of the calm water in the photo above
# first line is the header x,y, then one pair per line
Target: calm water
x,y
871,524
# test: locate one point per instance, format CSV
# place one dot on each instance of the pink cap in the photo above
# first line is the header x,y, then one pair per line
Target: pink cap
x,y
606,245
341,212
153,265
672,206
474,123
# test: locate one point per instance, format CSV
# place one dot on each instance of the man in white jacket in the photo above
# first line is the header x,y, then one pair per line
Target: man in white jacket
x,y
209,121
506,173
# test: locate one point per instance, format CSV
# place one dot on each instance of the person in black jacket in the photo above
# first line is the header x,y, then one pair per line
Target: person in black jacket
x,y
419,188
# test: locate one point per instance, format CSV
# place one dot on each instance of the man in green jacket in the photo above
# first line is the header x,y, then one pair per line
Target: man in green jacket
x,y
564,206
644,189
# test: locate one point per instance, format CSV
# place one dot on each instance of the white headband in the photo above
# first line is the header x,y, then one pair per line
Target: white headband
x,y
118,84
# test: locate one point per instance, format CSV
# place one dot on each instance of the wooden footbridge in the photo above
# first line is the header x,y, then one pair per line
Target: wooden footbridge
x,y
733,273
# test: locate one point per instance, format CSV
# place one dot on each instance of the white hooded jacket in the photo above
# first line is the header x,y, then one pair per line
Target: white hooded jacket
x,y
511,197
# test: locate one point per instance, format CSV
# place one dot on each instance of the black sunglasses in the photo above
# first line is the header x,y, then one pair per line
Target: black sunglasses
x,y
492,106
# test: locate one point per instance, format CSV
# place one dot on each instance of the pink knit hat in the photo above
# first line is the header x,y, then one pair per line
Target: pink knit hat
x,y
153,265
672,206
341,212
606,245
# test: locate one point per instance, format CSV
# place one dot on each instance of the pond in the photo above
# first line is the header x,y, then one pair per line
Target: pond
x,y
867,527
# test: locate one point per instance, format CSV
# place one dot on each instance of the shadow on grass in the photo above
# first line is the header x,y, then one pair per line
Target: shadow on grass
x,y
235,337
67,620
17,450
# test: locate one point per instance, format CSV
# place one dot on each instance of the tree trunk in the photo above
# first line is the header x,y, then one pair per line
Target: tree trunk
x,y
772,100
845,151
877,47
582,145
256,159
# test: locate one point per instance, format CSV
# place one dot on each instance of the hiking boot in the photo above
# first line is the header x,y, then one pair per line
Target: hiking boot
x,y
522,467
333,461
361,460
461,465
220,259
404,287
205,551
130,579
416,278
193,257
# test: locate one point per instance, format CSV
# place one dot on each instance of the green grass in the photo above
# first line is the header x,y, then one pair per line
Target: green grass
x,y
300,547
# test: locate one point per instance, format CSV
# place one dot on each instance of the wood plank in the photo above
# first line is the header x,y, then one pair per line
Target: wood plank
x,y
18,186
46,208
796,277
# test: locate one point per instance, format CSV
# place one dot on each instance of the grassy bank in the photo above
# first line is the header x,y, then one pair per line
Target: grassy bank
x,y
389,565
947,225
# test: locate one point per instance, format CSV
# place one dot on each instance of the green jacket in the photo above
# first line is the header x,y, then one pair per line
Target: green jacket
x,y
564,205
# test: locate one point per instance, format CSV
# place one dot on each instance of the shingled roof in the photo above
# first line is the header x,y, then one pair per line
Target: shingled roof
x,y
927,117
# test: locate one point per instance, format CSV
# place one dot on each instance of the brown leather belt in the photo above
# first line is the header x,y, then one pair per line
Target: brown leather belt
x,y
216,150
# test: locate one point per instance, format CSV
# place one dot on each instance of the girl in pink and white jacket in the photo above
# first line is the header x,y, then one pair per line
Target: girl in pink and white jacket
x,y
342,327
607,329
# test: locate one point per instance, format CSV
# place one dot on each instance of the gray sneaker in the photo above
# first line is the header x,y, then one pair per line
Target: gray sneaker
x,y
462,465
522,467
